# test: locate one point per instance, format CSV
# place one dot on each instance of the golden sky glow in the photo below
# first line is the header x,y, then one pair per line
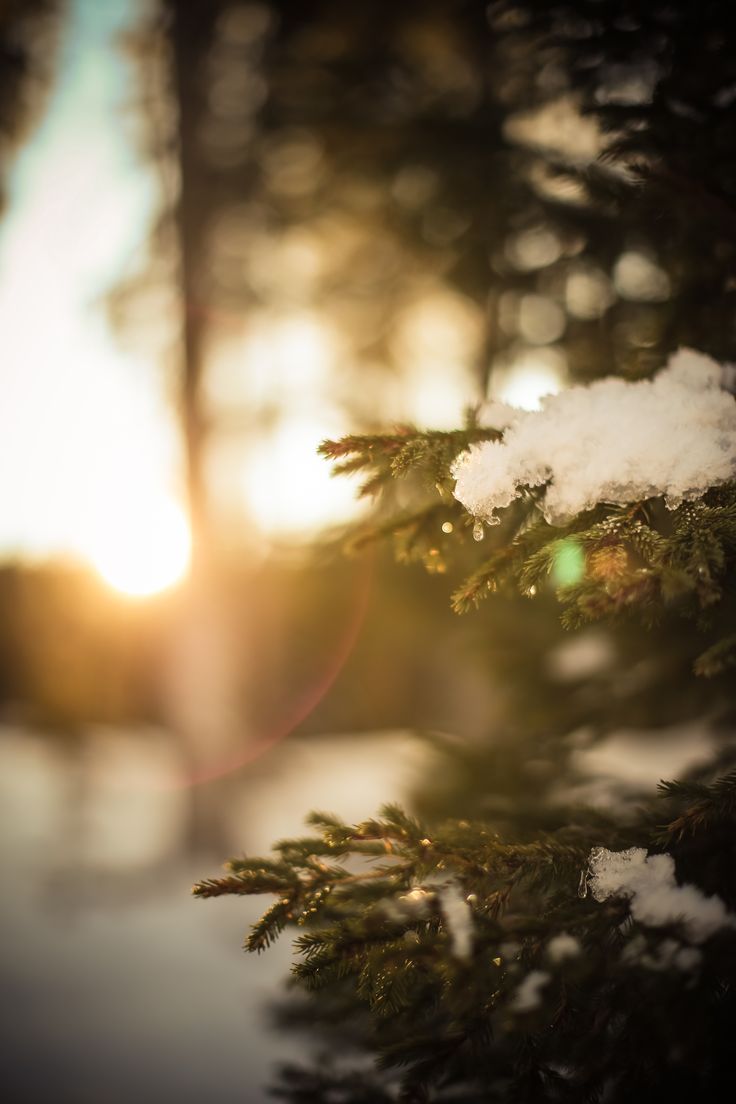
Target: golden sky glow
x,y
90,450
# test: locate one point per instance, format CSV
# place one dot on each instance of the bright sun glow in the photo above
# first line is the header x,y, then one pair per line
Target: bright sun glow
x,y
280,378
144,554
530,377
288,488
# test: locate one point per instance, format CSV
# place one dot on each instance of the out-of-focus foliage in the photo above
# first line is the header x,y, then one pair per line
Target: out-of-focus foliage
x,y
458,192
601,238
71,654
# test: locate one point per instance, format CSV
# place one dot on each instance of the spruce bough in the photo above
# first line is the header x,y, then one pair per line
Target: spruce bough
x,y
484,964
518,940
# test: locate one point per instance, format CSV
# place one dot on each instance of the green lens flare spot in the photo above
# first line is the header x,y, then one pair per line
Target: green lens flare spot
x,y
568,563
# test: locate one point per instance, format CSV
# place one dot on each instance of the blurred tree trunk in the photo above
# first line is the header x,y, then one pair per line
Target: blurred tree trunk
x,y
201,698
191,33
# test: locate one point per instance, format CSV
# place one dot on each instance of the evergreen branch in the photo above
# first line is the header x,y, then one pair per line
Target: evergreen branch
x,y
245,884
606,563
366,446
301,1084
482,582
720,657
265,930
635,1010
704,805
391,456
418,536
246,865
438,449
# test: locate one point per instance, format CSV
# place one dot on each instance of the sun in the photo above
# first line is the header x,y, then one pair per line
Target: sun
x,y
144,551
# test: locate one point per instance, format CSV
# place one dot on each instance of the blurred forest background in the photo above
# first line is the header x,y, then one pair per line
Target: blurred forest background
x,y
230,230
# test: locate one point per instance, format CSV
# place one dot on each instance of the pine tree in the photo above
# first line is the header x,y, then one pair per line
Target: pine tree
x,y
510,937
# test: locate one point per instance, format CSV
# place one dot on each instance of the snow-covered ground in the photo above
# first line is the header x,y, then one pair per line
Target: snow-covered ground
x,y
116,985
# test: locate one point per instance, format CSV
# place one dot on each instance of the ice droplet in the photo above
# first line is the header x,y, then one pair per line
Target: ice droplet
x,y
447,527
478,530
583,884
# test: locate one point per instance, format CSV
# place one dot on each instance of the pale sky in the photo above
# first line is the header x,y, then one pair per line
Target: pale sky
x,y
88,447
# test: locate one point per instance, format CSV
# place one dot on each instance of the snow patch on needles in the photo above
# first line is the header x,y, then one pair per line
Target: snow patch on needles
x,y
563,946
458,918
610,441
656,898
447,896
528,994
664,956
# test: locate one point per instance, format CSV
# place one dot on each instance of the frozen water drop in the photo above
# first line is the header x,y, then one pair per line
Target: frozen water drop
x,y
478,530
583,884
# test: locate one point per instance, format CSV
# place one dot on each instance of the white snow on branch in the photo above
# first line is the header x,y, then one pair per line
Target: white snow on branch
x,y
581,657
447,896
563,946
528,994
611,441
458,918
655,897
663,956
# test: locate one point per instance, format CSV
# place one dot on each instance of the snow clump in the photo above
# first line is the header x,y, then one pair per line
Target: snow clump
x,y
444,895
655,897
581,657
613,441
563,946
664,956
528,995
458,919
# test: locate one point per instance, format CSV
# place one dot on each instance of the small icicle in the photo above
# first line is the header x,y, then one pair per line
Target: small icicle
x,y
478,530
583,884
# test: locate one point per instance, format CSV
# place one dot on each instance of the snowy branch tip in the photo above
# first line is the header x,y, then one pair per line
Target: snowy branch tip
x,y
656,899
610,441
